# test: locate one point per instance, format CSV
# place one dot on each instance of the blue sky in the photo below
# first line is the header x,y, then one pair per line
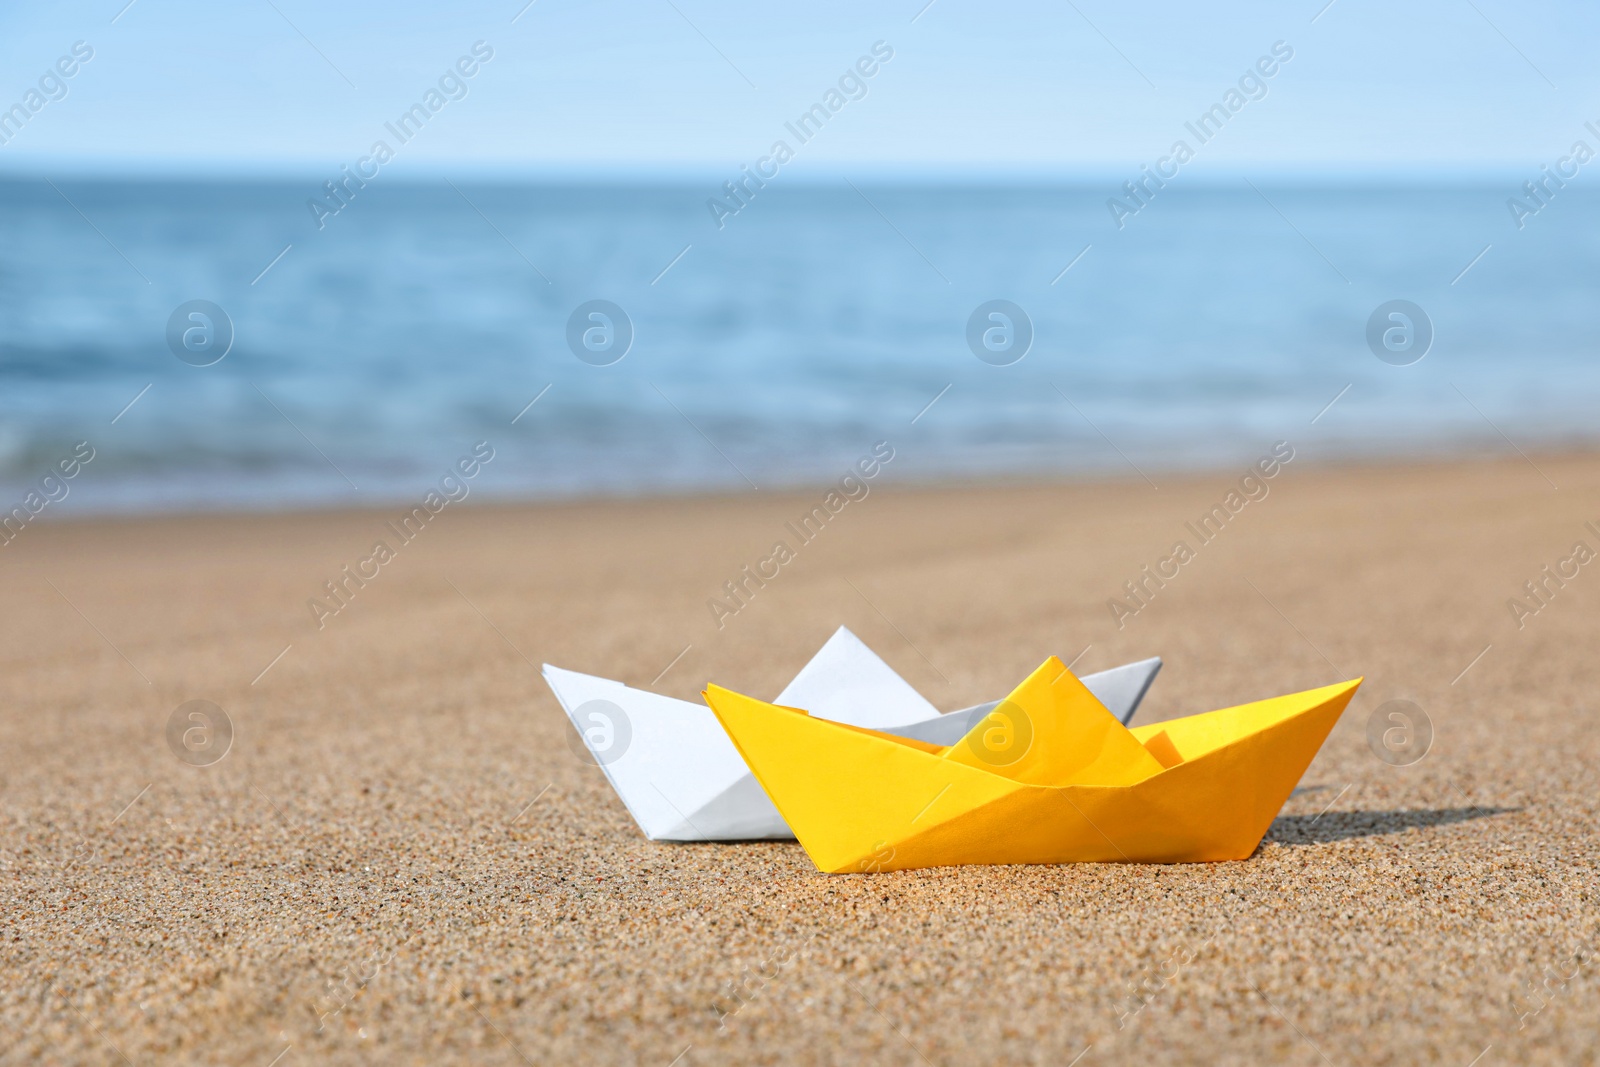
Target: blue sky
x,y
658,86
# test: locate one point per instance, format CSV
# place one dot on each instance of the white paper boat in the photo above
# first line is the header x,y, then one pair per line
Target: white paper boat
x,y
682,779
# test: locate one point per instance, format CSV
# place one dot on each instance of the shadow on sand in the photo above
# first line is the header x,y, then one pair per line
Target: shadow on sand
x,y
1343,825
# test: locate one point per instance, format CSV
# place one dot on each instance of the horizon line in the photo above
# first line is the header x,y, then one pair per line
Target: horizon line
x,y
658,174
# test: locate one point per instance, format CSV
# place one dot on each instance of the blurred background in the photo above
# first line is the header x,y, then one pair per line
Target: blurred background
x,y
192,281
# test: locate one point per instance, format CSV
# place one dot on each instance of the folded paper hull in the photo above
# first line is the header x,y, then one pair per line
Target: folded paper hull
x,y
681,778
669,760
859,801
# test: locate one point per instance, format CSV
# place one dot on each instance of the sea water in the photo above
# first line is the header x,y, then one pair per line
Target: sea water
x,y
369,348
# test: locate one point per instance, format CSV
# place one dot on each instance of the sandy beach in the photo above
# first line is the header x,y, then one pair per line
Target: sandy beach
x,y
400,859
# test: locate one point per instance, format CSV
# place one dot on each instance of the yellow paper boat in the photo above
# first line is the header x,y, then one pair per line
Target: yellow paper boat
x,y
1050,776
